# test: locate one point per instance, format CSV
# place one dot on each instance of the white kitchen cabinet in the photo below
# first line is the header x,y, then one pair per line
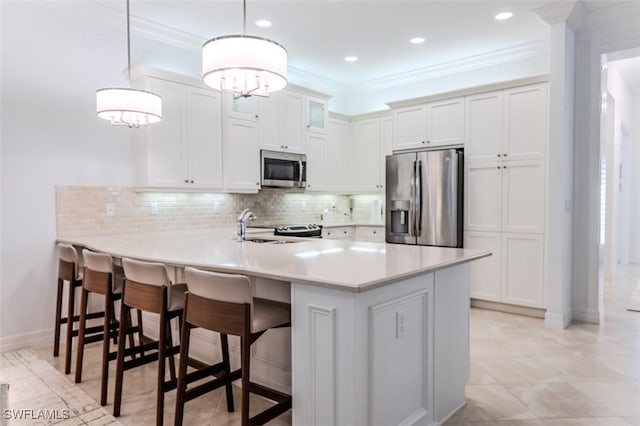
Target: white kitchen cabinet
x,y
367,169
240,108
505,196
523,269
293,135
486,274
429,125
184,149
338,233
514,273
338,155
509,124
505,192
316,114
316,162
270,122
241,156
373,234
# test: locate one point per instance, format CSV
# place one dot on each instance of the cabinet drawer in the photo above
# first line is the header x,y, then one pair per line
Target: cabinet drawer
x,y
338,233
370,233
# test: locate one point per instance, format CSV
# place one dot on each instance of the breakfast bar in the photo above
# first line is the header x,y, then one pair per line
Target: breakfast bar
x,y
380,332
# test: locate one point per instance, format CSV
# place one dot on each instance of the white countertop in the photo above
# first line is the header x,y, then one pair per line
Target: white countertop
x,y
346,265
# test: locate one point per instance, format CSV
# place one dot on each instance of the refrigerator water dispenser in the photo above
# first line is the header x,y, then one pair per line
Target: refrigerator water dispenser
x,y
400,216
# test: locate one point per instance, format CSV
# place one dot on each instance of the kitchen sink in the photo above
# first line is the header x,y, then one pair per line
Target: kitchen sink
x,y
269,241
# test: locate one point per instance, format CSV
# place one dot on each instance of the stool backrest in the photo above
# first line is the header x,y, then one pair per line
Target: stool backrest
x,y
68,256
150,273
101,263
216,286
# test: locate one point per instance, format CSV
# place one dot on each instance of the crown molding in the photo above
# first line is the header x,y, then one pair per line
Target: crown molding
x,y
571,12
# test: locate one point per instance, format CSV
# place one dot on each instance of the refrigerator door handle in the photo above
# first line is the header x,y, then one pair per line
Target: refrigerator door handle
x,y
418,198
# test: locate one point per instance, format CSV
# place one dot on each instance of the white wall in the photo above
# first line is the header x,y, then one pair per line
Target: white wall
x,y
609,31
634,234
53,60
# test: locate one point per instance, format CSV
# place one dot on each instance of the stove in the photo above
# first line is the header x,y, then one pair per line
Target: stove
x,y
311,230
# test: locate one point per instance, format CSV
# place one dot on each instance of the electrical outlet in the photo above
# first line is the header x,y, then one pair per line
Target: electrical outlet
x,y
216,207
153,209
401,324
333,205
303,205
110,209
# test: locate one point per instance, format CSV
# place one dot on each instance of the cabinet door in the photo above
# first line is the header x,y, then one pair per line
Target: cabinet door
x,y
445,122
486,273
410,127
484,128
523,196
166,144
270,122
373,234
483,196
241,156
316,115
316,162
338,155
525,122
366,164
294,130
386,147
240,108
204,139
523,269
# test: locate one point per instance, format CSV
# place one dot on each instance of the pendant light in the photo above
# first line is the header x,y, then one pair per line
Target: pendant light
x,y
244,65
127,106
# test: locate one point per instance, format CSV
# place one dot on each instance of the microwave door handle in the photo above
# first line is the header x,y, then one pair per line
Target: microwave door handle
x,y
301,173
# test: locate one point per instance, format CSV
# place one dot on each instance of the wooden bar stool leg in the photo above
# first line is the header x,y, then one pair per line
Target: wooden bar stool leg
x,y
131,340
182,373
172,361
82,325
140,334
56,337
245,356
70,312
109,318
224,343
125,312
162,344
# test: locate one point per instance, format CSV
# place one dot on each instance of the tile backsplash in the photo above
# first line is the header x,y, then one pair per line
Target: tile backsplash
x,y
86,210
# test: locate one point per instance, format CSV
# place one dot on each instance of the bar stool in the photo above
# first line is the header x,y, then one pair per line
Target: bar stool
x,y
101,276
223,303
147,287
68,271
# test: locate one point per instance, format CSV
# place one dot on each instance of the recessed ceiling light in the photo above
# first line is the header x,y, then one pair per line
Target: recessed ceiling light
x,y
264,23
417,40
503,15
351,58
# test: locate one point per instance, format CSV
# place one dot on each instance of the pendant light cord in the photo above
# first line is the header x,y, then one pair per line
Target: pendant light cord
x,y
128,46
244,16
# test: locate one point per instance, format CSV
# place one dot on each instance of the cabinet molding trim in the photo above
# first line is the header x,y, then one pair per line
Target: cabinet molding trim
x,y
322,338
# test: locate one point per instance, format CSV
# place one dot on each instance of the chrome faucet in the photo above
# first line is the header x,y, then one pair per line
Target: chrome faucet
x,y
245,216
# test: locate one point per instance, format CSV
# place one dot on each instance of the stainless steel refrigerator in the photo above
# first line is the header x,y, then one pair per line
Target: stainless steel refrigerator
x,y
424,198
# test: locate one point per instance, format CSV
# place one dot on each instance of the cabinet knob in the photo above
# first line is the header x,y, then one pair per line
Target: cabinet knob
x,y
375,232
428,141
498,167
308,185
344,232
499,155
286,147
191,181
424,142
258,183
257,116
282,146
308,125
186,181
504,167
504,155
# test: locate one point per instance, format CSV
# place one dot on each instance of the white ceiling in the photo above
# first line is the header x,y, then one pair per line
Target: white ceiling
x,y
318,34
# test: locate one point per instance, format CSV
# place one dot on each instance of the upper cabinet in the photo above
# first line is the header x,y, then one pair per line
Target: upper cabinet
x,y
428,125
509,124
316,114
293,122
184,149
241,156
369,149
338,154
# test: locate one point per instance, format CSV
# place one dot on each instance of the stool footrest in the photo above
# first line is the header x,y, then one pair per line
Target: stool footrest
x,y
211,385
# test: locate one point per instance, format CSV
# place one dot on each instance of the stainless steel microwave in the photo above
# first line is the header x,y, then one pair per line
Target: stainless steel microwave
x,y
283,169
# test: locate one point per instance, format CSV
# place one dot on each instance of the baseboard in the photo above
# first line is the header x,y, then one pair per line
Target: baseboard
x,y
591,316
510,309
28,340
557,321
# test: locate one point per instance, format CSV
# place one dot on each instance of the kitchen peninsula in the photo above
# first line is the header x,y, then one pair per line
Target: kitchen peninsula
x,y
380,332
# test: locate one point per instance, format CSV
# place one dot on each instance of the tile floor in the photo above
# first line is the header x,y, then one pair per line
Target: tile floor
x,y
521,373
